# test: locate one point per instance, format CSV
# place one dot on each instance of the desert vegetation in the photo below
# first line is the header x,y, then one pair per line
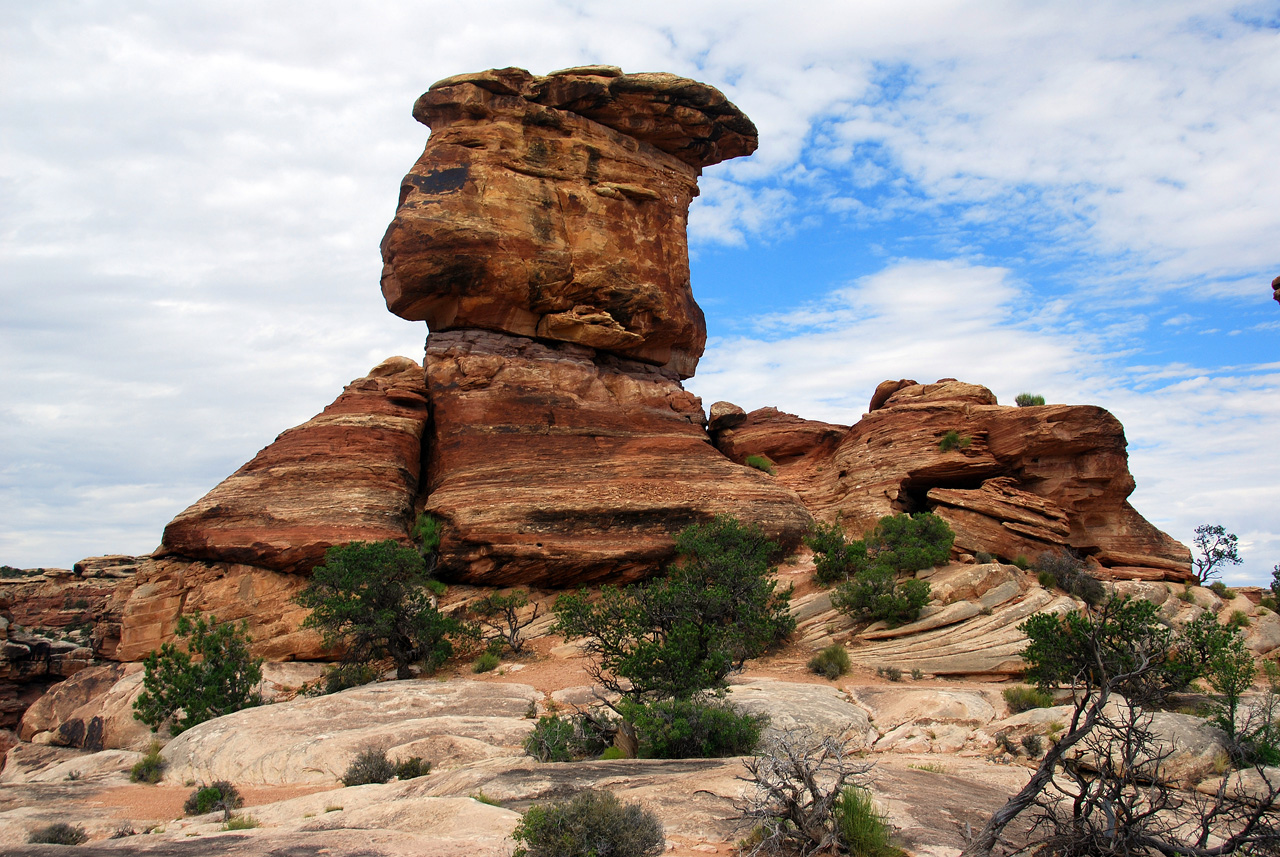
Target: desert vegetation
x,y
590,824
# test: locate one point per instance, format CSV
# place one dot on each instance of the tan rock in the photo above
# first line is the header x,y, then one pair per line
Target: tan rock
x,y
556,465
821,709
556,207
348,474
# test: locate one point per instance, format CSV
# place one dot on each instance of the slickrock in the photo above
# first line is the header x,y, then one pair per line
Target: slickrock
x,y
314,740
780,436
557,465
556,207
821,709
1022,481
348,474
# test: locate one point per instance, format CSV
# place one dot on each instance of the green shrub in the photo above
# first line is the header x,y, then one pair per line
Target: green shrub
x,y
1067,572
761,462
1186,595
241,822
1269,602
481,797
1027,400
150,768
371,600
370,765
982,558
611,753
686,632
221,795
1022,698
345,676
501,613
876,595
592,824
485,663
1221,590
1033,745
910,542
861,827
223,680
836,560
954,440
1021,562
567,739
832,662
1239,619
411,768
58,834
695,728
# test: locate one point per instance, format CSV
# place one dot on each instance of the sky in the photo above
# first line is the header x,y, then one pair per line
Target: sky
x,y
1071,199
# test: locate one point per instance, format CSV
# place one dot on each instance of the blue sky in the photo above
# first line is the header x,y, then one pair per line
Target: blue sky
x,y
1071,199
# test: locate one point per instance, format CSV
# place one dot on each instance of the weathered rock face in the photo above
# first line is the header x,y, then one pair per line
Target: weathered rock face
x,y
555,465
1275,289
348,474
781,437
556,207
1024,480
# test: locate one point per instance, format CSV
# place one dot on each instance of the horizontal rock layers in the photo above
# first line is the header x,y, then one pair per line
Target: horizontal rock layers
x,y
555,207
556,465
348,474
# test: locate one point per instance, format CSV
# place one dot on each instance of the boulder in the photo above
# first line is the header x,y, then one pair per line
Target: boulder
x,y
556,207
557,465
1023,482
783,438
818,708
348,474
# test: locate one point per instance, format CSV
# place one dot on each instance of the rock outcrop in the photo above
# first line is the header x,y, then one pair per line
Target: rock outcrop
x,y
348,474
1275,289
555,207
558,465
1015,482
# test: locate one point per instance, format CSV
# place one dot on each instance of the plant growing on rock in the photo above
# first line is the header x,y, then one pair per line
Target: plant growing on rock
x,y
762,463
567,739
1027,400
150,768
502,614
835,559
592,824
214,674
58,834
684,633
699,727
220,795
1213,548
898,544
1067,572
370,765
954,440
832,662
370,598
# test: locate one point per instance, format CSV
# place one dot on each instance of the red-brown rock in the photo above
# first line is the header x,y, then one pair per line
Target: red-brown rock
x,y
348,474
555,207
781,437
555,465
1025,480
1275,289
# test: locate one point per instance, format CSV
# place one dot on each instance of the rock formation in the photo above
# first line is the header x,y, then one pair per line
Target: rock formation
x,y
1275,289
1019,482
555,207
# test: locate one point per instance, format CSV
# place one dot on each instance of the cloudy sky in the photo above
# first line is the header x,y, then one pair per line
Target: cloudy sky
x,y
1073,199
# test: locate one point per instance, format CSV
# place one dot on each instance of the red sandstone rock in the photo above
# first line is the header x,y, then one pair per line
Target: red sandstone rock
x,y
781,437
1275,289
884,390
555,207
555,465
1029,480
348,474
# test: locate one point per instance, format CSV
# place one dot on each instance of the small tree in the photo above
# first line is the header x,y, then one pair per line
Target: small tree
x,y
501,614
370,598
213,675
1214,548
684,633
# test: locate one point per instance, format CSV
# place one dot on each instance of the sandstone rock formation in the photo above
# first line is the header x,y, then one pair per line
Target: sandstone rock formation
x,y
348,474
1275,289
556,465
556,207
1023,481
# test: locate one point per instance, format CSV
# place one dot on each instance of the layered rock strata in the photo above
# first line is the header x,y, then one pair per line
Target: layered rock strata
x,y
557,465
555,207
348,474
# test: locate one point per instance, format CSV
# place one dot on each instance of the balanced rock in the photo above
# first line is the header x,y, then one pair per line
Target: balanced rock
x,y
557,465
1014,481
348,474
556,207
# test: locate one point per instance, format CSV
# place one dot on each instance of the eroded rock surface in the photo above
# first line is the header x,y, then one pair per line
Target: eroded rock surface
x,y
348,474
556,207
556,465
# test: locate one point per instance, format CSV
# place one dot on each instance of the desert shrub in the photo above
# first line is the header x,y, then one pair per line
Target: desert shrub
x,y
982,558
695,728
1027,400
221,795
501,613
835,559
1220,589
371,600
1033,745
370,765
411,768
1269,602
877,595
760,462
150,768
1238,619
223,680
58,834
1186,595
343,676
1022,698
1021,562
954,440
567,739
686,632
241,822
832,662
591,824
1067,572
487,662
910,542
862,829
